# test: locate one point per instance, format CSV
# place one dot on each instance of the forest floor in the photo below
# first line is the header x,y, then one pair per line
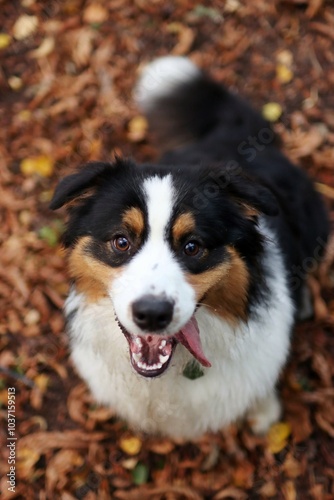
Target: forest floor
x,y
67,69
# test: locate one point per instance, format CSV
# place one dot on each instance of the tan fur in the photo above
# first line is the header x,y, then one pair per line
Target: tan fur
x,y
184,224
92,277
133,219
224,288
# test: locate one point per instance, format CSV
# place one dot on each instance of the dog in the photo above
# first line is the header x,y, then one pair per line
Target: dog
x,y
185,282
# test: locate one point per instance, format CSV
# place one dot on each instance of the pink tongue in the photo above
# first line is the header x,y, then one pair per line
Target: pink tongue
x,y
189,337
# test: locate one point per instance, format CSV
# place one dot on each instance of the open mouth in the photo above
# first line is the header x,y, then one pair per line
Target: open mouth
x,y
151,353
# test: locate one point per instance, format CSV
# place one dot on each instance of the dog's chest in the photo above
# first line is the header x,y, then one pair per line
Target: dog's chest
x,y
245,362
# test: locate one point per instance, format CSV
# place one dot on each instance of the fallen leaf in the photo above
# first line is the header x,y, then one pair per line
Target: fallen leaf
x,y
277,436
291,466
4,40
42,381
213,14
47,46
186,38
289,491
140,474
15,82
243,475
272,111
137,128
25,26
161,446
41,165
26,460
42,442
283,73
59,465
268,490
130,445
95,13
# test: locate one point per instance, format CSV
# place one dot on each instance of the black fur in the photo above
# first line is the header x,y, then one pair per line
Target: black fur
x,y
230,164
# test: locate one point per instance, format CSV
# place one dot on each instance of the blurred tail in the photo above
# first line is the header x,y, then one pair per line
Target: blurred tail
x,y
183,104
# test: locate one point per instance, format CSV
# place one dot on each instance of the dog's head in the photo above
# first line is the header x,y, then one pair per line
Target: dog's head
x,y
160,242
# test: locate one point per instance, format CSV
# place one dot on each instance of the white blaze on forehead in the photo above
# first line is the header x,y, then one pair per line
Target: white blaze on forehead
x,y
154,270
160,198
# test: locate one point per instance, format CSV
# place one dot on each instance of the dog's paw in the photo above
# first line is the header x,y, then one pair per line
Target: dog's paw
x,y
264,413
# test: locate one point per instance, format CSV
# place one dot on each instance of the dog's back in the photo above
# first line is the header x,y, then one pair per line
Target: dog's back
x,y
197,120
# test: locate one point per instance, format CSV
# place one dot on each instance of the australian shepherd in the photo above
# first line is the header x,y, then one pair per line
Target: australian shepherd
x,y
188,274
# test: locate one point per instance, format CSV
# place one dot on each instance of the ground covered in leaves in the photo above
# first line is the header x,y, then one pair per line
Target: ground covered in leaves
x,y
67,69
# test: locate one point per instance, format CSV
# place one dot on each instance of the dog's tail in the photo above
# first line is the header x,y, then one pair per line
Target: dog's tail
x,y
183,104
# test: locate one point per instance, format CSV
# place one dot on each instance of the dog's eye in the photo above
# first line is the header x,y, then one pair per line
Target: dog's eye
x,y
192,248
120,243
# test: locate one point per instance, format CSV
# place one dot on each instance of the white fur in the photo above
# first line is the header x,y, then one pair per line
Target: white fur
x,y
154,270
160,77
246,361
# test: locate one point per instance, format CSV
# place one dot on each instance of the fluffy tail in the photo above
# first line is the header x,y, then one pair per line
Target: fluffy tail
x,y
183,104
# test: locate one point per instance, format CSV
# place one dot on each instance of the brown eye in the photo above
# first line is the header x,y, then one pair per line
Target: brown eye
x,y
121,244
192,248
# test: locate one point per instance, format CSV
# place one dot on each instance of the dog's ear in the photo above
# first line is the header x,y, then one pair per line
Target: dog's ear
x,y
254,198
80,184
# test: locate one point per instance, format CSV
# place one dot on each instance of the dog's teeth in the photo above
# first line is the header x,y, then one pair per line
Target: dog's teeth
x,y
137,356
162,344
159,365
138,341
163,359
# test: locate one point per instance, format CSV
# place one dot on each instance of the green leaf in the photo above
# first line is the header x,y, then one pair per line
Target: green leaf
x,y
193,370
210,12
140,474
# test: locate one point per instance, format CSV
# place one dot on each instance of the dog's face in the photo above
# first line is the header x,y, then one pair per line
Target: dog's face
x,y
160,242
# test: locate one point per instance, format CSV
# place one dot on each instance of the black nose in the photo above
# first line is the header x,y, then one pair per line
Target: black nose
x,y
152,313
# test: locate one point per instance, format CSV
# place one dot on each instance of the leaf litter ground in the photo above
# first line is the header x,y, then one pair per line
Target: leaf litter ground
x,y
67,71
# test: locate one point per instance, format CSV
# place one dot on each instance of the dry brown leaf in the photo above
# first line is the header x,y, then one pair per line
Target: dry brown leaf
x,y
229,493
268,490
82,45
313,8
291,466
41,442
243,475
95,13
324,424
161,446
298,416
186,37
59,466
289,491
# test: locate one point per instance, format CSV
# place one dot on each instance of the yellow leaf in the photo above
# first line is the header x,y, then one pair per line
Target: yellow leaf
x,y
283,73
137,128
25,26
131,445
15,82
4,40
277,436
41,165
26,459
272,111
42,381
